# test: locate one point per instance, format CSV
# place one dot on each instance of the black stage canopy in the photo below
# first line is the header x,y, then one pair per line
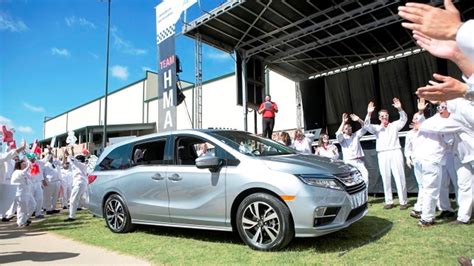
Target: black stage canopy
x,y
301,39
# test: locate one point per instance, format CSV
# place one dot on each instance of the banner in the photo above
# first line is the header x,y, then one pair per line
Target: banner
x,y
167,14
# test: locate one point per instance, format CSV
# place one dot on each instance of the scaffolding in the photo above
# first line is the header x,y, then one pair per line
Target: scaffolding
x,y
197,99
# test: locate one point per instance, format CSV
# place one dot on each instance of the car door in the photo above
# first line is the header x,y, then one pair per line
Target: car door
x,y
196,196
147,194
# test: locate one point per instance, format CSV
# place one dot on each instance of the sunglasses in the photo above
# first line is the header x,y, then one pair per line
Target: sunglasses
x,y
441,107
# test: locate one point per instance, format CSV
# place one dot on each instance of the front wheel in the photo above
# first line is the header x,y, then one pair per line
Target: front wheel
x,y
117,216
264,223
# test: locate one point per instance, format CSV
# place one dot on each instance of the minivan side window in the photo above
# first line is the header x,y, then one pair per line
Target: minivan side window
x,y
152,152
119,158
188,148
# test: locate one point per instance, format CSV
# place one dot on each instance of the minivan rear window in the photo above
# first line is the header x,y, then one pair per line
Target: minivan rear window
x,y
119,158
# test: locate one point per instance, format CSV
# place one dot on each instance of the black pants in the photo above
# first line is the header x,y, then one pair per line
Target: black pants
x,y
267,126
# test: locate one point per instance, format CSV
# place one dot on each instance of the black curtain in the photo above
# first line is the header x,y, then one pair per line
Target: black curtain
x,y
362,91
312,96
394,82
338,100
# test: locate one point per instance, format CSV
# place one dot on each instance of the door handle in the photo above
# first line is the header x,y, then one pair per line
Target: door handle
x,y
157,177
175,177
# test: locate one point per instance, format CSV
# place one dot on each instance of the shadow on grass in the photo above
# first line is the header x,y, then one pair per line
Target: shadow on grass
x,y
367,230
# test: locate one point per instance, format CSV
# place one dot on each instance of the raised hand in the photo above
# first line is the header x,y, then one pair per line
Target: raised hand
x,y
355,118
397,104
449,88
345,117
446,49
421,104
432,21
370,107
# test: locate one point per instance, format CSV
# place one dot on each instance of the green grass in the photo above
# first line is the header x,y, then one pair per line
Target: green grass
x,y
383,237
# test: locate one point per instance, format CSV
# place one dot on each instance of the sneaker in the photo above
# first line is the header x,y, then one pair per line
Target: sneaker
x,y
446,215
49,212
4,219
41,216
403,207
28,222
79,209
457,222
69,219
423,223
64,207
388,206
463,261
415,214
56,211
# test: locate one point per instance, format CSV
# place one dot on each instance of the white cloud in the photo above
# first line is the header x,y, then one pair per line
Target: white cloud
x,y
60,52
72,21
36,109
120,72
9,124
217,55
23,129
125,46
94,55
5,121
10,24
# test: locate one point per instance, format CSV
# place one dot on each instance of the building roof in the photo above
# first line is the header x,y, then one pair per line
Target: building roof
x,y
300,39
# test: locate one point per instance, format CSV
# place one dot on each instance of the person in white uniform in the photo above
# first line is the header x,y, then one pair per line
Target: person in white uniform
x,y
23,198
39,182
51,192
66,183
5,176
448,177
301,143
79,182
325,148
411,144
389,154
352,152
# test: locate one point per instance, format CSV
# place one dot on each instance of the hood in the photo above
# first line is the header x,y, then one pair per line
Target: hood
x,y
306,164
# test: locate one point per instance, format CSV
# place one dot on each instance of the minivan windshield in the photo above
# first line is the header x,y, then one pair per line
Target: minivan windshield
x,y
251,145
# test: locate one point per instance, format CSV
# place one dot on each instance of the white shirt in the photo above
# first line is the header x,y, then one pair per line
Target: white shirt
x,y
463,110
351,148
430,144
21,178
465,38
302,146
66,175
4,158
52,172
411,144
330,152
387,137
79,171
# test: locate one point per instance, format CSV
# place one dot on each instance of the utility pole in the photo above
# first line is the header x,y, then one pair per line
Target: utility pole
x,y
104,134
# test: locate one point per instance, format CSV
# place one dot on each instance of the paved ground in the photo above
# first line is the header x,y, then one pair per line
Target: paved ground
x,y
26,246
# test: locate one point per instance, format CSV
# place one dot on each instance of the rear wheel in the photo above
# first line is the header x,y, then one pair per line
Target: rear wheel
x,y
264,223
117,216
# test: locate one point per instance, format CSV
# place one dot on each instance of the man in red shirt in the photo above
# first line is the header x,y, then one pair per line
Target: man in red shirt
x,y
267,110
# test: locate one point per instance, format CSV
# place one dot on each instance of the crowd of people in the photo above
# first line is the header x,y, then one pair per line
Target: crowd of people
x,y
440,149
43,181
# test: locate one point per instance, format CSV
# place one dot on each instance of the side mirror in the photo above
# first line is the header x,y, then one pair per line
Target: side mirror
x,y
211,162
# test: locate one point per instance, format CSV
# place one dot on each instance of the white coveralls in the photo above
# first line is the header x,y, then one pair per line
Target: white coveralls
x,y
411,144
352,152
66,183
23,195
430,151
463,161
390,156
5,159
37,188
79,184
51,191
448,176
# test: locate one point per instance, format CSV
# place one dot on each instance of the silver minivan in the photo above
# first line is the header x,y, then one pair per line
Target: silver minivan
x,y
225,180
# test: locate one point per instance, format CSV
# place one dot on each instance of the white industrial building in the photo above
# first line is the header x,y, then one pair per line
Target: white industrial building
x,y
133,110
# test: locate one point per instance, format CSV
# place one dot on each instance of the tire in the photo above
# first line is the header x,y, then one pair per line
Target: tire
x,y
264,222
116,214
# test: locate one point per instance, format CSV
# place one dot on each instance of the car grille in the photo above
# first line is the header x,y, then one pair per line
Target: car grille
x,y
348,181
357,211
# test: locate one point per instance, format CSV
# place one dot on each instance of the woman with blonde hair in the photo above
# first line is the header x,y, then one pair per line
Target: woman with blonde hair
x,y
325,148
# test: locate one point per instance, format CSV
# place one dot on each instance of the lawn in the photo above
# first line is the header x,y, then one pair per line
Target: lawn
x,y
383,237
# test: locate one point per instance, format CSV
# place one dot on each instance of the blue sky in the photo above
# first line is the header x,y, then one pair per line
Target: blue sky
x,y
52,55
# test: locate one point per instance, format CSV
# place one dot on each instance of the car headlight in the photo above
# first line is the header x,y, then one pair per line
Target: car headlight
x,y
325,181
